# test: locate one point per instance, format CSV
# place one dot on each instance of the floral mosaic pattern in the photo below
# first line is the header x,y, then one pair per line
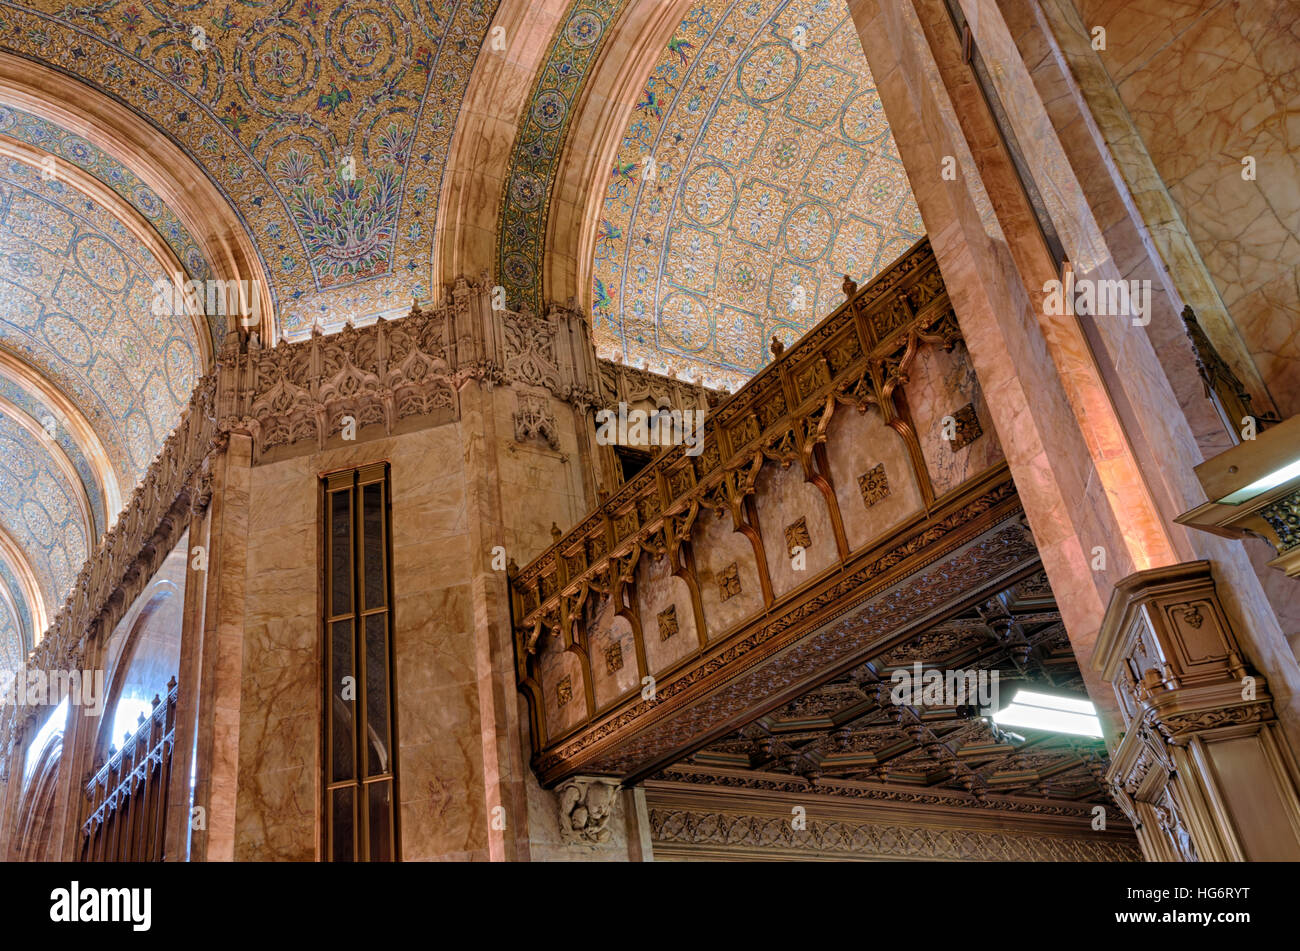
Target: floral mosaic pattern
x,y
76,295
38,510
757,170
24,619
538,145
11,643
45,418
273,98
74,149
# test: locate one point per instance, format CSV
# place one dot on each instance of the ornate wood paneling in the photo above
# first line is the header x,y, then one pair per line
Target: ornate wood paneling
x,y
954,546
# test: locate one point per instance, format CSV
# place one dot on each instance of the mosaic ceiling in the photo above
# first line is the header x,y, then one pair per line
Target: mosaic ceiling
x,y
757,170
12,595
11,641
325,124
76,296
40,512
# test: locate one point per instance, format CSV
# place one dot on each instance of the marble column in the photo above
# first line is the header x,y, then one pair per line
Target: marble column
x,y
1101,449
221,656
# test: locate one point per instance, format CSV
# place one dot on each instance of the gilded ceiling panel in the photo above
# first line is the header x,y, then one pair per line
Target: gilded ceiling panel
x,y
758,168
326,124
76,302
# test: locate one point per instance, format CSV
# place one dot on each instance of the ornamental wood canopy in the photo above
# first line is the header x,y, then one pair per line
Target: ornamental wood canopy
x,y
850,494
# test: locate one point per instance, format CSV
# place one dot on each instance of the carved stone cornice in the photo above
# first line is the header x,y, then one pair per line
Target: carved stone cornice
x,y
717,834
856,791
381,374
723,821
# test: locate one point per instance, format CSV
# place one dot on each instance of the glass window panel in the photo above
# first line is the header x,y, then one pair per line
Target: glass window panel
x,y
358,574
373,558
344,821
341,552
377,694
381,820
343,703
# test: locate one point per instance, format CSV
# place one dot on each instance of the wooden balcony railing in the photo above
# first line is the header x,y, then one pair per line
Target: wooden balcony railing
x,y
126,819
596,615
856,355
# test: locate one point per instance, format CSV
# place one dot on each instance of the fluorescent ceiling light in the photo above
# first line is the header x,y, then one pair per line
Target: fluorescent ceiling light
x,y
1040,711
1270,481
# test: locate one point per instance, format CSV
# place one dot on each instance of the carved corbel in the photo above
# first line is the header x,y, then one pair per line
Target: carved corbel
x,y
586,806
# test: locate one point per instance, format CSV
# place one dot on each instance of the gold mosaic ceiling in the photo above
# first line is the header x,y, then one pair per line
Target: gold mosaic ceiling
x,y
757,170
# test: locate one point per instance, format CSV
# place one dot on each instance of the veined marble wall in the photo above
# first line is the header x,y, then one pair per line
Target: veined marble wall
x,y
1207,84
440,773
455,487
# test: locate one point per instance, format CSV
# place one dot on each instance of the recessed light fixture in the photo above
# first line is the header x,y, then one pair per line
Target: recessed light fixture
x,y
1041,711
1270,481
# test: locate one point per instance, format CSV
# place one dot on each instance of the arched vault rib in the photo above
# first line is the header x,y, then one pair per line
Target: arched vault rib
x,y
478,163
600,118
70,416
14,556
173,176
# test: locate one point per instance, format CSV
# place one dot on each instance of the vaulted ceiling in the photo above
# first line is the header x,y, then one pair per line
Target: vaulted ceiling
x,y
756,171
325,124
313,144
91,379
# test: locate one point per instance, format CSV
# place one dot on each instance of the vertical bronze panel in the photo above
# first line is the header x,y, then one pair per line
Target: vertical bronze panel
x,y
360,772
